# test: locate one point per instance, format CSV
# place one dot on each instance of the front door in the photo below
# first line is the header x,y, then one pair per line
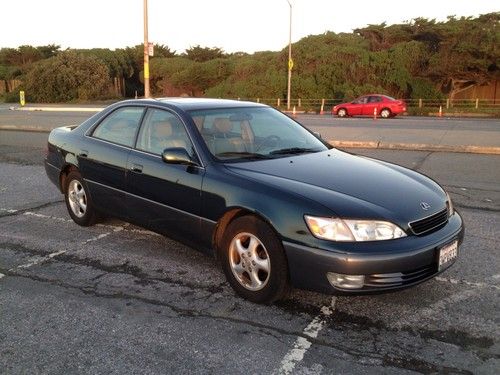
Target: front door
x,y
164,197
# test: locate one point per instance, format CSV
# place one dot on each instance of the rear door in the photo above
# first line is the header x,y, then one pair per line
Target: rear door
x,y
103,158
164,197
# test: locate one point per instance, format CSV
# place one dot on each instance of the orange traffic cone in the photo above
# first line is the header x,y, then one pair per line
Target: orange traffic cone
x,y
294,112
375,113
322,111
440,114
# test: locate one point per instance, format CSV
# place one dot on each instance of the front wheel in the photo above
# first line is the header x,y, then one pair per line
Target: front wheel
x,y
385,113
342,112
78,200
253,260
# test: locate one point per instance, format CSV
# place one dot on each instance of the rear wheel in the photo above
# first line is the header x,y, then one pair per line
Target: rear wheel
x,y
342,112
253,260
78,200
385,113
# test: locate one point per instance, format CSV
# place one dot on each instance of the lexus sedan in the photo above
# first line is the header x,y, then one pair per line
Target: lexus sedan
x,y
371,105
276,205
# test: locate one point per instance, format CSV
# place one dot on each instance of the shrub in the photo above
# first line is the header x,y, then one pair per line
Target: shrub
x,y
65,77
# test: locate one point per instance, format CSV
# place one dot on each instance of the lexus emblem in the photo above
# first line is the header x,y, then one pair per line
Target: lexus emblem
x,y
425,206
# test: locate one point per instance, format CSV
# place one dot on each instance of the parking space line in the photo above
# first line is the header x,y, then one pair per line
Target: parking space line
x,y
104,235
302,344
8,210
42,216
468,283
434,310
39,260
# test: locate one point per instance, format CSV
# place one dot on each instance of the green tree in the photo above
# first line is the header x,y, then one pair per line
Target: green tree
x,y
65,77
201,54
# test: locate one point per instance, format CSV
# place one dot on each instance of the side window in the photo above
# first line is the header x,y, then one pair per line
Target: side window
x,y
120,126
162,129
374,99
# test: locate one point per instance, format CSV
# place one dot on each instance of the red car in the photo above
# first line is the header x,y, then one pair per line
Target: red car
x,y
366,105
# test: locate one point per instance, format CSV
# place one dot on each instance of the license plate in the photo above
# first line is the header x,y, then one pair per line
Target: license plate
x,y
447,254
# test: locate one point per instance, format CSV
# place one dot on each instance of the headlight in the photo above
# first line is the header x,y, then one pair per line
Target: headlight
x,y
449,204
344,230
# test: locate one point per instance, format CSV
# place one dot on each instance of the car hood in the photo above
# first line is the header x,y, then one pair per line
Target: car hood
x,y
350,186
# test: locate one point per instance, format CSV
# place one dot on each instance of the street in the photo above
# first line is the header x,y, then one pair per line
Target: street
x,y
116,298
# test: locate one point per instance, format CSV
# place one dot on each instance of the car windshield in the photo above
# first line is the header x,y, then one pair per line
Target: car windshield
x,y
236,134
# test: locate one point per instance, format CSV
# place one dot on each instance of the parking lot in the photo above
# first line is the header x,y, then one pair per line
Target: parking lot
x,y
116,298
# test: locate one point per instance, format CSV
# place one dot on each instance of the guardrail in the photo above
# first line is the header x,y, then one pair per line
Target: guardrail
x,y
415,106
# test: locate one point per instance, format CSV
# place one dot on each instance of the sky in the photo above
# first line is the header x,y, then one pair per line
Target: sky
x,y
233,25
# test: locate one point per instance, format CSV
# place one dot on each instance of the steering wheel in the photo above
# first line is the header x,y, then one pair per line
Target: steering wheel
x,y
269,140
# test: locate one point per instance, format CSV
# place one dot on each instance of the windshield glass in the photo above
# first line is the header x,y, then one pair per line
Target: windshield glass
x,y
233,134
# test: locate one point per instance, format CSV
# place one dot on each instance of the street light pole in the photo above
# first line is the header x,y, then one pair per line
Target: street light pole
x,y
146,51
290,62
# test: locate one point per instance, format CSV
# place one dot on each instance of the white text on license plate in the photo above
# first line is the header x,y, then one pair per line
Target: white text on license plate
x,y
447,254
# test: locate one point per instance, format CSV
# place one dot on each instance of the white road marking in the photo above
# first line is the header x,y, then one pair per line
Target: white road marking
x,y
435,309
42,216
8,210
103,235
302,344
468,283
1,275
39,260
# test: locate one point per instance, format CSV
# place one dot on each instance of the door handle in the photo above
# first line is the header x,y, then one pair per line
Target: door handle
x,y
83,153
136,168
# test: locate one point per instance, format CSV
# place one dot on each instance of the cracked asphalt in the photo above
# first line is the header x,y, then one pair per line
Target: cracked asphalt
x,y
115,298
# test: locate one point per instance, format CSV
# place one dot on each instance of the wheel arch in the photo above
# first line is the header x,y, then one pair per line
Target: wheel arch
x,y
65,171
229,216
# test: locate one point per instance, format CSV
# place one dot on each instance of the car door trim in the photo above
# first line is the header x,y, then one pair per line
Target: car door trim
x,y
151,201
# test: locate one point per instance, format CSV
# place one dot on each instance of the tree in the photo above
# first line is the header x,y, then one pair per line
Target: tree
x,y
201,54
67,76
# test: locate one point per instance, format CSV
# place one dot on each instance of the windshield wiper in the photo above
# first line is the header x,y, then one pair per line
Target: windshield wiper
x,y
293,150
246,155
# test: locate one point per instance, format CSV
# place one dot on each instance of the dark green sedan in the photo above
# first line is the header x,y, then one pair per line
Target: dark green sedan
x,y
275,204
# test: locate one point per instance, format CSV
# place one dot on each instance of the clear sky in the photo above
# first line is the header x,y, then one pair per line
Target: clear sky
x,y
233,25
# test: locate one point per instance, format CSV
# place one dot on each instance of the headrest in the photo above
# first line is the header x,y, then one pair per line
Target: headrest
x,y
162,129
222,125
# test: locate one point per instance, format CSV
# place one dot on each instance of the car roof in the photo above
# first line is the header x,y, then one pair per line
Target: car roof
x,y
190,104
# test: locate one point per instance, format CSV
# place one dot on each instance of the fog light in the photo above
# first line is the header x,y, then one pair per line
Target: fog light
x,y
346,281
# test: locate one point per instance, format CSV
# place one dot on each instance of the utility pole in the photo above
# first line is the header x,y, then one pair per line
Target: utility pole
x,y
290,61
146,52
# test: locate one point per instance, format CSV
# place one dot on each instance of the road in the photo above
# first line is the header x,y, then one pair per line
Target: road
x,y
442,132
115,298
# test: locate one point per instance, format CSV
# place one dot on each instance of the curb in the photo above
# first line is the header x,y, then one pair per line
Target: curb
x,y
58,109
490,150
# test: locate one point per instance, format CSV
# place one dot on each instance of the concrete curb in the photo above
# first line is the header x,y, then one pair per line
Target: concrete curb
x,y
490,150
58,109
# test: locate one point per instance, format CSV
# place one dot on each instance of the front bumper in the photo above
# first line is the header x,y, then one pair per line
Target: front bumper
x,y
387,265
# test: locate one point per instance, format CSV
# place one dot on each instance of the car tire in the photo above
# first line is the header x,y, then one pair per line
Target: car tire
x,y
254,261
385,113
342,112
78,201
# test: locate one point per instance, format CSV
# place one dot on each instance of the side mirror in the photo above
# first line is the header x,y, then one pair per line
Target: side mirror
x,y
318,134
177,155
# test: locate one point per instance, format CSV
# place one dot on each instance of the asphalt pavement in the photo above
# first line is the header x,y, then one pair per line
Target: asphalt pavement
x,y
118,299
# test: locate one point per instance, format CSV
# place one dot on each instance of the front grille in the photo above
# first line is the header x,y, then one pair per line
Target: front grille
x,y
387,280
429,223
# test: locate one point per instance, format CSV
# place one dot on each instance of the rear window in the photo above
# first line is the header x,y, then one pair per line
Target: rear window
x,y
120,126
